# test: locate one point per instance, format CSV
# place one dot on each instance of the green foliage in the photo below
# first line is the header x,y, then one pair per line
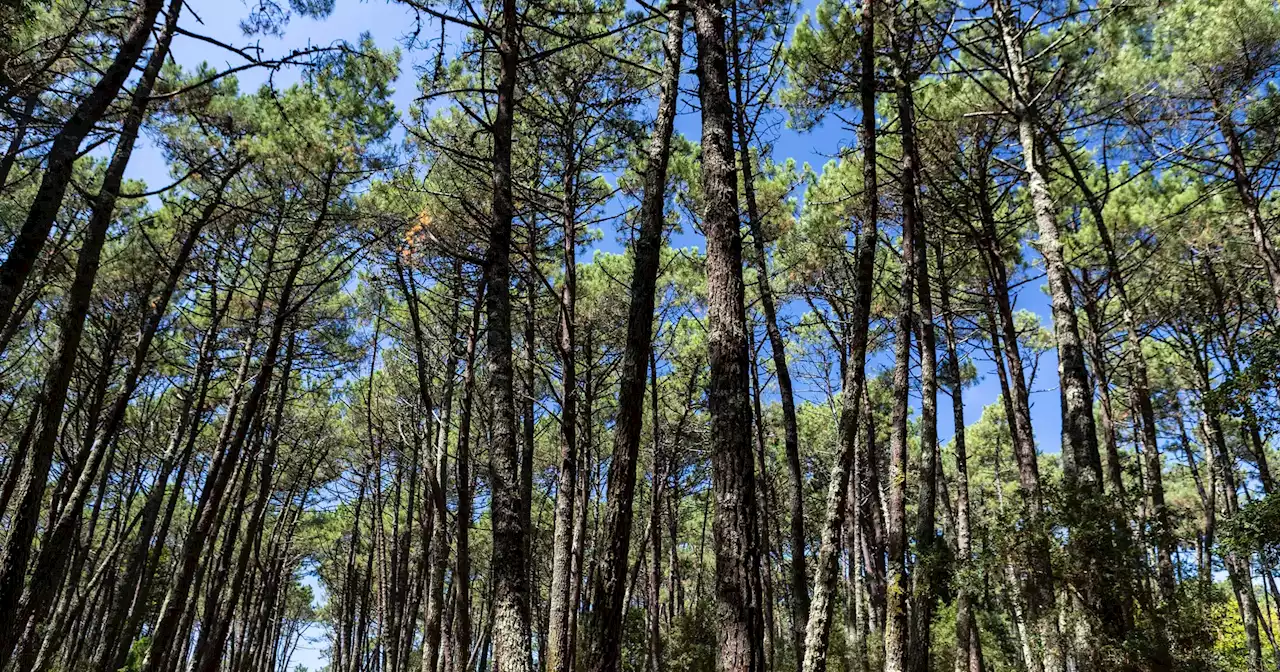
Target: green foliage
x,y
692,640
1255,528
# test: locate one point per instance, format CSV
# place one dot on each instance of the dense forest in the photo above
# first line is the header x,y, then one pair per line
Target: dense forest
x,y
569,364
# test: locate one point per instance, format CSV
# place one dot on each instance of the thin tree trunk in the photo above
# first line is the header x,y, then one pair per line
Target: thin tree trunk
x,y
822,605
1244,189
777,345
927,550
59,161
604,621
968,651
510,569
557,654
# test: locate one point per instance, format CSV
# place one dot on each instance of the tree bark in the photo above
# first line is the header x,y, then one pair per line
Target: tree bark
x,y
604,621
557,654
798,573
822,605
462,536
511,631
740,634
968,651
927,551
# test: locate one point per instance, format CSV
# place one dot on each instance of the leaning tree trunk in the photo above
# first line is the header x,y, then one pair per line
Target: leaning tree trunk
x,y
1082,465
231,442
822,606
799,575
1253,213
58,170
1140,396
604,621
52,559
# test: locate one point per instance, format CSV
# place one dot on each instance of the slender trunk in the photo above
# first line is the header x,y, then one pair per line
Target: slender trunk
x,y
895,631
1037,591
968,651
231,442
604,621
209,656
661,464
822,605
1102,381
557,654
58,170
767,503
927,549
778,347
1082,468
1139,394
1244,189
585,479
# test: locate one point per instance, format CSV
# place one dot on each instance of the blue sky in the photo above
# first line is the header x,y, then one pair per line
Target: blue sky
x,y
388,23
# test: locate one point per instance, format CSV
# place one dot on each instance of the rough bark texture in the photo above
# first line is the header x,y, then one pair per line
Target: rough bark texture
x,y
895,631
822,605
511,631
1081,463
603,644
558,640
740,634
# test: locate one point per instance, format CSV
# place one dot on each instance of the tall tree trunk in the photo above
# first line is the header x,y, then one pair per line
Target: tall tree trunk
x,y
510,572
435,542
558,640
661,465
767,503
927,551
209,656
895,631
740,636
604,621
462,535
1082,466
1139,394
968,648
1037,591
799,575
822,606
586,477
